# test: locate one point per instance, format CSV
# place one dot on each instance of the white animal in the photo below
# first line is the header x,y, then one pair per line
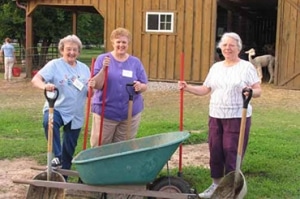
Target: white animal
x,y
262,61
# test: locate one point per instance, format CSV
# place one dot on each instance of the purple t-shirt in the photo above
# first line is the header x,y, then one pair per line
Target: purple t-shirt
x,y
117,93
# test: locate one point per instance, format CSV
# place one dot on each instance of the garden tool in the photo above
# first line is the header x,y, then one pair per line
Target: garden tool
x,y
233,185
37,192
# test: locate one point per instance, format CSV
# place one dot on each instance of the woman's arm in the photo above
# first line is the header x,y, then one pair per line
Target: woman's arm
x,y
197,90
256,90
98,80
39,82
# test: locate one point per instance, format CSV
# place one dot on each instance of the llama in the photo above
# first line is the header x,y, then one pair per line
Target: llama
x,y
262,61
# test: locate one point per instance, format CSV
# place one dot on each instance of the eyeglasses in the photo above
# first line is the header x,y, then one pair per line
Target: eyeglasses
x,y
229,45
71,49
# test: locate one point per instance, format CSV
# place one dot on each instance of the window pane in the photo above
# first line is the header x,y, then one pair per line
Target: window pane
x,y
152,22
162,26
168,26
159,21
169,18
165,22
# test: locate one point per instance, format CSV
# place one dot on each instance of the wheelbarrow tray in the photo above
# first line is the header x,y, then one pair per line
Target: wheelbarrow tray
x,y
136,161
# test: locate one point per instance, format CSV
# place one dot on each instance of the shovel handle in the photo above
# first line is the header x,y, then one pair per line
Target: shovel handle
x,y
51,100
130,93
247,98
129,114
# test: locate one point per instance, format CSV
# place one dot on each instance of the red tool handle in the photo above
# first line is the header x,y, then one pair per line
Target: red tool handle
x,y
88,108
181,111
103,105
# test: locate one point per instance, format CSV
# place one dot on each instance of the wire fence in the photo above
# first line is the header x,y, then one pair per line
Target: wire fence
x,y
38,56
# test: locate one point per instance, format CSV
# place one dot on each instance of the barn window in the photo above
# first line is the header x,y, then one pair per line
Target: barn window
x,y
159,21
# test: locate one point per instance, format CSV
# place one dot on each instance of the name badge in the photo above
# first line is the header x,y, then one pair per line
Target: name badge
x,y
127,73
78,84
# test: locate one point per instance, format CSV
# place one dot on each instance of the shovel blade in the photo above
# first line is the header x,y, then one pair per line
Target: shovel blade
x,y
231,188
35,192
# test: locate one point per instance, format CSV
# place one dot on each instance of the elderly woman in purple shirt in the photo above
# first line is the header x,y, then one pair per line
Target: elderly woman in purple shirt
x,y
123,69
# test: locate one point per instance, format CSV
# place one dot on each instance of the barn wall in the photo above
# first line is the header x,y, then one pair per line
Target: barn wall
x,y
287,45
160,52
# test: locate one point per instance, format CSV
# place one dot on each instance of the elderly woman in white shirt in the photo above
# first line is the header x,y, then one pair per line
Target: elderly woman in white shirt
x,y
225,82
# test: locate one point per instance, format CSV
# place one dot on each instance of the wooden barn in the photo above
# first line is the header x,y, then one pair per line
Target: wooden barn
x,y
164,29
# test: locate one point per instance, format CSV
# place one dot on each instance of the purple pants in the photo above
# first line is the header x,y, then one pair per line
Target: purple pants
x,y
223,143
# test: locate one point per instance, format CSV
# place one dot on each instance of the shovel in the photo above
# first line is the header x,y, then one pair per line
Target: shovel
x,y
35,192
233,185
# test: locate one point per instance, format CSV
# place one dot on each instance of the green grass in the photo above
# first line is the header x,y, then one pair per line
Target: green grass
x,y
271,165
87,55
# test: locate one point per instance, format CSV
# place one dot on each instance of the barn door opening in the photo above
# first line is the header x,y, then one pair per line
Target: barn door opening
x,y
254,20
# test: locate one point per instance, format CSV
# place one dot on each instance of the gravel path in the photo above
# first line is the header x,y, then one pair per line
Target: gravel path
x,y
162,86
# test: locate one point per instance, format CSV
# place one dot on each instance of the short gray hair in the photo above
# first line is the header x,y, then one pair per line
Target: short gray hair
x,y
234,36
69,38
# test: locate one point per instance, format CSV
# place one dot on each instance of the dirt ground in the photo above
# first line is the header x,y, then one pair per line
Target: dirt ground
x,y
192,154
20,169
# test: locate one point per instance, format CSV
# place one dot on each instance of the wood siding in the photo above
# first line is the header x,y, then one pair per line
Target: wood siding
x,y
194,33
287,45
195,27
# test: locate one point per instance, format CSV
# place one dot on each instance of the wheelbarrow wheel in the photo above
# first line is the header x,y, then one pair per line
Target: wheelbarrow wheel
x,y
170,185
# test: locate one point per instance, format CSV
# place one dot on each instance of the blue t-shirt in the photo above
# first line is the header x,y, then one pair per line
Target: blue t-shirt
x,y
71,100
8,50
117,96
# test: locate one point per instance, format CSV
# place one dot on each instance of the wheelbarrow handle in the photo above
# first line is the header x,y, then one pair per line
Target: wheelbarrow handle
x,y
51,100
247,98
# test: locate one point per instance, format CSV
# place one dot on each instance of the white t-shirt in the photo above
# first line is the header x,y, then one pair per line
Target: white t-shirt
x,y
226,85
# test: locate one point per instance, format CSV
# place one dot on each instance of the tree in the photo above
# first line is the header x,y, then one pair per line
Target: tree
x,y
49,25
12,22
90,28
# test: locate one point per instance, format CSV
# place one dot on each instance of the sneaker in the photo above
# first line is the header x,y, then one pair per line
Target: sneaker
x,y
209,191
55,163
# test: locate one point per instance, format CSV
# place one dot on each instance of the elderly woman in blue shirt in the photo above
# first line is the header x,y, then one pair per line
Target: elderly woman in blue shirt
x,y
70,77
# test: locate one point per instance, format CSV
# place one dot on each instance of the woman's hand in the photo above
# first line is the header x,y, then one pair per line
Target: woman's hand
x,y
49,87
182,85
105,62
138,86
92,83
247,91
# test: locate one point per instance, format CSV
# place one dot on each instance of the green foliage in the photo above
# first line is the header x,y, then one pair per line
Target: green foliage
x,y
49,24
90,28
12,21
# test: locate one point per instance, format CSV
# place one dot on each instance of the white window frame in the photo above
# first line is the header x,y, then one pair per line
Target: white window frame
x,y
160,22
